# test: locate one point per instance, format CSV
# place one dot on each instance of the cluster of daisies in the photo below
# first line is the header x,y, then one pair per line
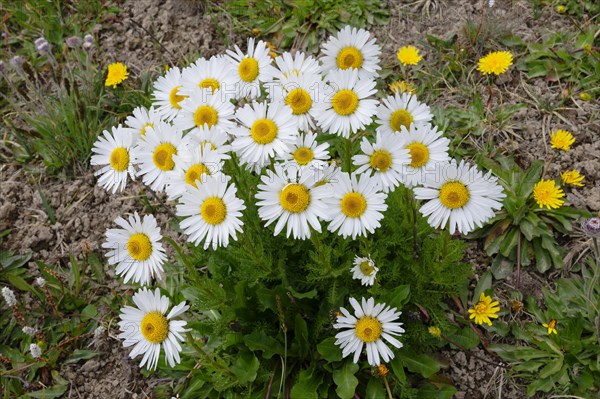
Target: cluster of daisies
x,y
276,118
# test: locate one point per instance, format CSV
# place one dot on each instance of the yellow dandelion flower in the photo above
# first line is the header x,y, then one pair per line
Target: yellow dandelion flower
x,y
572,178
382,370
551,326
548,195
496,62
484,310
402,87
561,9
435,331
117,73
408,55
585,96
562,140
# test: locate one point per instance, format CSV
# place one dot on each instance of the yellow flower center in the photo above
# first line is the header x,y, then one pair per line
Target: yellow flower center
x,y
119,159
419,154
381,160
345,102
294,198
480,309
175,98
353,204
194,173
399,118
248,69
163,156
303,155
139,246
210,83
263,131
368,329
349,57
146,126
299,101
155,327
367,267
454,195
206,115
213,210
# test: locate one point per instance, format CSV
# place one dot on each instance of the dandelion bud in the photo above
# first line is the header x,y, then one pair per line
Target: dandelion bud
x,y
585,97
74,41
9,297
41,282
592,227
35,350
29,330
435,331
561,9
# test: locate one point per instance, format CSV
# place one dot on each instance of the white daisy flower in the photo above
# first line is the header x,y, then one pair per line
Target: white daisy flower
x,y
202,108
214,74
9,297
193,165
211,213
166,94
401,109
252,68
155,154
113,151
136,249
217,139
355,205
364,269
352,49
148,326
40,281
427,149
140,120
370,325
461,196
347,107
384,160
292,197
304,95
266,130
307,153
294,65
36,351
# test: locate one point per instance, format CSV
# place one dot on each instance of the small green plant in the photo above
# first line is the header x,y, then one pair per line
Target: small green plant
x,y
297,24
523,234
561,351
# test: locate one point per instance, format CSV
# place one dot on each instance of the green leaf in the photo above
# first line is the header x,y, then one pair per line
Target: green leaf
x,y
245,367
307,384
552,367
539,385
398,369
437,391
542,259
419,363
81,354
301,335
398,297
375,389
47,393
464,337
329,350
484,283
259,341
345,380
88,312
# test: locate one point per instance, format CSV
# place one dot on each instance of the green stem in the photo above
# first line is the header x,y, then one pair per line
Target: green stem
x,y
387,388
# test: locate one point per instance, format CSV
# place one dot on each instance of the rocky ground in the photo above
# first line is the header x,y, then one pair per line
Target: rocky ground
x,y
151,33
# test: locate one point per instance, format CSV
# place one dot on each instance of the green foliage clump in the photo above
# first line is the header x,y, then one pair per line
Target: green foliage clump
x,y
523,233
568,362
298,23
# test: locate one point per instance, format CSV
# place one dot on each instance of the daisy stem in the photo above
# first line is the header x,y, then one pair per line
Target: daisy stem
x,y
387,387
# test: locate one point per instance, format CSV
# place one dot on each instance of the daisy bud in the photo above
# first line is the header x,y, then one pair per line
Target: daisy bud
x,y
99,331
87,46
43,48
41,282
35,350
88,38
17,61
29,330
2,66
9,297
592,227
74,41
39,41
